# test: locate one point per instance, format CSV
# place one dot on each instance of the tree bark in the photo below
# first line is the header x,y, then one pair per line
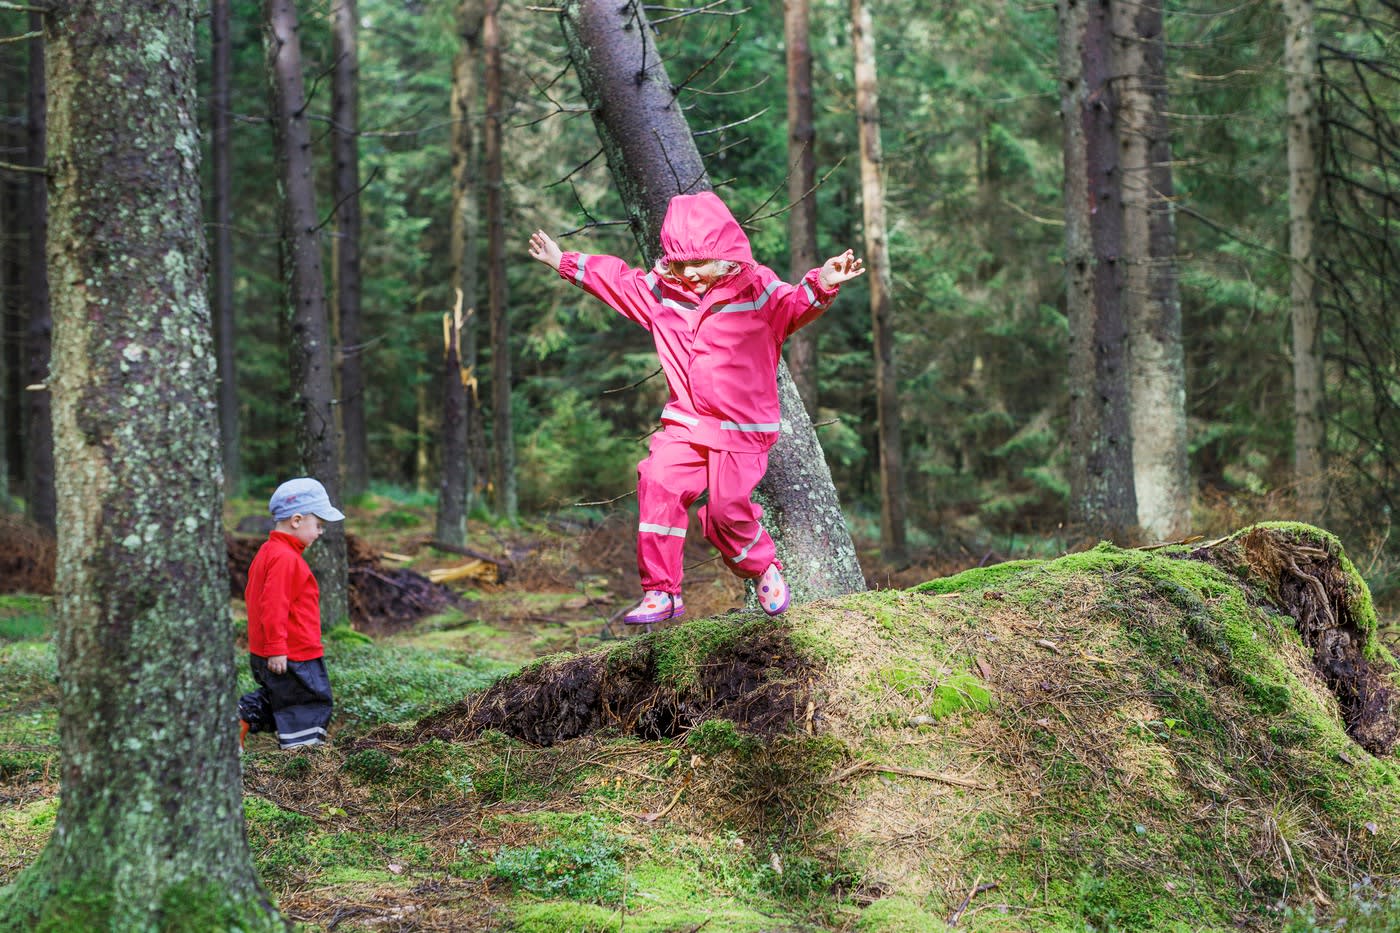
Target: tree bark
x,y
1300,64
39,466
11,275
893,545
801,349
1151,300
312,374
345,147
653,157
461,416
1102,500
221,157
149,832
506,495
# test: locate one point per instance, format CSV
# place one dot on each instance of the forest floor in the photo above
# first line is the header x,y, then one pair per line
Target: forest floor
x,y
983,758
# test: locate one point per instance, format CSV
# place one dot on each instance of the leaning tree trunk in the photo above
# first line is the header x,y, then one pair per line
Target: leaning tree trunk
x,y
39,465
460,415
1102,500
498,295
1300,63
1151,302
653,157
801,350
149,833
312,374
221,157
893,546
345,145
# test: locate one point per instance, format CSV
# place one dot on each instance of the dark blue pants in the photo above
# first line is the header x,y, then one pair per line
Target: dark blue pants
x,y
296,705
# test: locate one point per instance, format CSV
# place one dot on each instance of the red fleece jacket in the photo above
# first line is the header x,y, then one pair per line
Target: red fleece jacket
x,y
719,351
284,602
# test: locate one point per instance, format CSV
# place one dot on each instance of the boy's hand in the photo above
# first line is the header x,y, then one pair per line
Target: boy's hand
x,y
277,664
840,269
543,248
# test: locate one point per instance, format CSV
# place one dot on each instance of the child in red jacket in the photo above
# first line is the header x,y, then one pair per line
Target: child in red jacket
x,y
719,320
293,697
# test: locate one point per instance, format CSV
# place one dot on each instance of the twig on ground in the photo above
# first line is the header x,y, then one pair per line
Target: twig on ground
x,y
976,889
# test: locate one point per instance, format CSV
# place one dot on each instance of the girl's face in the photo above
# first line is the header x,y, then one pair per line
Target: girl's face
x,y
699,274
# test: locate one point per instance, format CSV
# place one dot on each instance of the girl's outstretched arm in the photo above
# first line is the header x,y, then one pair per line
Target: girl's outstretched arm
x,y
543,248
840,269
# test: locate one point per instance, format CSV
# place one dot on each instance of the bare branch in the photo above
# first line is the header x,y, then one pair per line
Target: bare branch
x,y
730,126
633,385
683,12
329,217
30,169
576,169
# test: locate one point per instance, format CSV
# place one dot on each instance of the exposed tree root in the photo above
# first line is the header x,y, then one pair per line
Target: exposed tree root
x,y
1305,577
761,684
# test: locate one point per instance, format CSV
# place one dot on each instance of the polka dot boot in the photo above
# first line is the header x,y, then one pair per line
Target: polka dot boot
x,y
655,606
773,592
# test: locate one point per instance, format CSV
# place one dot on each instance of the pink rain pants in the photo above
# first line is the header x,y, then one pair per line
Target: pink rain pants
x,y
668,483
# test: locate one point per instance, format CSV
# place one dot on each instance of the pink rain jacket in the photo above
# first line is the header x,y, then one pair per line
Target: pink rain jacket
x,y
720,351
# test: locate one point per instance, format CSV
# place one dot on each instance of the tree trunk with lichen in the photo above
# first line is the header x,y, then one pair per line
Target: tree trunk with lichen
x,y
1309,425
1151,298
503,434
345,194
801,350
38,337
461,417
893,540
312,373
1102,500
653,157
149,833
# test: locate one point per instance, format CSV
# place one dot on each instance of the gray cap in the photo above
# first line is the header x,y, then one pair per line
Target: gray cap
x,y
303,496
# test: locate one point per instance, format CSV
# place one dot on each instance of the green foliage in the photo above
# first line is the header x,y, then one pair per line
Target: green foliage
x,y
369,765
287,845
375,684
25,618
714,737
584,863
574,454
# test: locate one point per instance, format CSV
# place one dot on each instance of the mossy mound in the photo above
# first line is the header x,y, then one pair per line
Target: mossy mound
x,y
1116,739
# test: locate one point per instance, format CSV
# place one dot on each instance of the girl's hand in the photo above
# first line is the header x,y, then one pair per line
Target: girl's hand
x,y
543,248
840,269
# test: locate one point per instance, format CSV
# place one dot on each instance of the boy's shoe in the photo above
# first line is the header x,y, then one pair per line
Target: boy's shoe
x,y
773,592
655,606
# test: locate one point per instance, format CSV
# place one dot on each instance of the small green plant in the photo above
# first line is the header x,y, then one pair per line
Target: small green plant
x,y
715,737
583,863
369,765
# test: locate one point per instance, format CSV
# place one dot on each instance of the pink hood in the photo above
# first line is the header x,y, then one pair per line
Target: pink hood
x,y
700,226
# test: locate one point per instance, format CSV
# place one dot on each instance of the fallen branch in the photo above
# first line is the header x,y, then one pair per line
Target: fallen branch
x,y
503,567
907,772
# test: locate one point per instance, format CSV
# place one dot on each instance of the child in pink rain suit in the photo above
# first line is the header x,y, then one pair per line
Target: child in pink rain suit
x,y
719,320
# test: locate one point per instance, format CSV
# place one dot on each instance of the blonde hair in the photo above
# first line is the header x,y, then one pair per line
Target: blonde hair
x,y
676,268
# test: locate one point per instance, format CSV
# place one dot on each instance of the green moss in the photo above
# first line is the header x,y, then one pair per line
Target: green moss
x,y
898,915
715,737
957,693
978,578
566,917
